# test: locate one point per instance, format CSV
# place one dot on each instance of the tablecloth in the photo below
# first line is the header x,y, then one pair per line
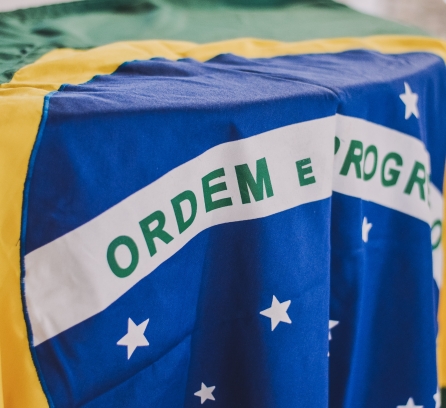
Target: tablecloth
x,y
241,223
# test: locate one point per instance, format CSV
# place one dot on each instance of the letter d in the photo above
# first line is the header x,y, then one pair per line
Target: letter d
x,y
183,224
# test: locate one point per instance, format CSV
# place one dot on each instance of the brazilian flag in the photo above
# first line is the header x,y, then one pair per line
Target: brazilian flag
x,y
228,203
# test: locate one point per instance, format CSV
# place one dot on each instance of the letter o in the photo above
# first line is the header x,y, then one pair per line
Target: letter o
x,y
437,224
337,144
111,258
371,149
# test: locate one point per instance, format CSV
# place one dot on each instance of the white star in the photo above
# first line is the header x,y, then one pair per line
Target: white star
x,y
277,312
410,100
331,324
134,337
366,227
437,399
205,393
410,404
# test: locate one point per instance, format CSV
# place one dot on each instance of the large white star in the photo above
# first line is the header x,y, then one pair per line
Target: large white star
x,y
205,393
366,227
134,337
410,99
277,312
410,404
437,399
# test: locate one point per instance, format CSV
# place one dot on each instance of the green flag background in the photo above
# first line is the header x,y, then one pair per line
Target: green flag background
x,y
28,34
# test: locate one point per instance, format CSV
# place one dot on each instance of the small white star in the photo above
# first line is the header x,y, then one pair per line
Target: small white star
x,y
410,404
331,324
205,393
134,337
277,312
366,227
437,399
410,99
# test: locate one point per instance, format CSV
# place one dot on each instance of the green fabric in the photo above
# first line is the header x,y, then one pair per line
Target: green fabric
x,y
28,34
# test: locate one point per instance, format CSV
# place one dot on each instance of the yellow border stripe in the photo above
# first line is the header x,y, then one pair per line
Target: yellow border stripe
x,y
21,103
74,67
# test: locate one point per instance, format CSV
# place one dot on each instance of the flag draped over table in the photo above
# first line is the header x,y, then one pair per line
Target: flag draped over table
x,y
242,223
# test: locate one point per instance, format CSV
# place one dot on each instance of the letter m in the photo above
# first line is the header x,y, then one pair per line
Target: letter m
x,y
246,181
